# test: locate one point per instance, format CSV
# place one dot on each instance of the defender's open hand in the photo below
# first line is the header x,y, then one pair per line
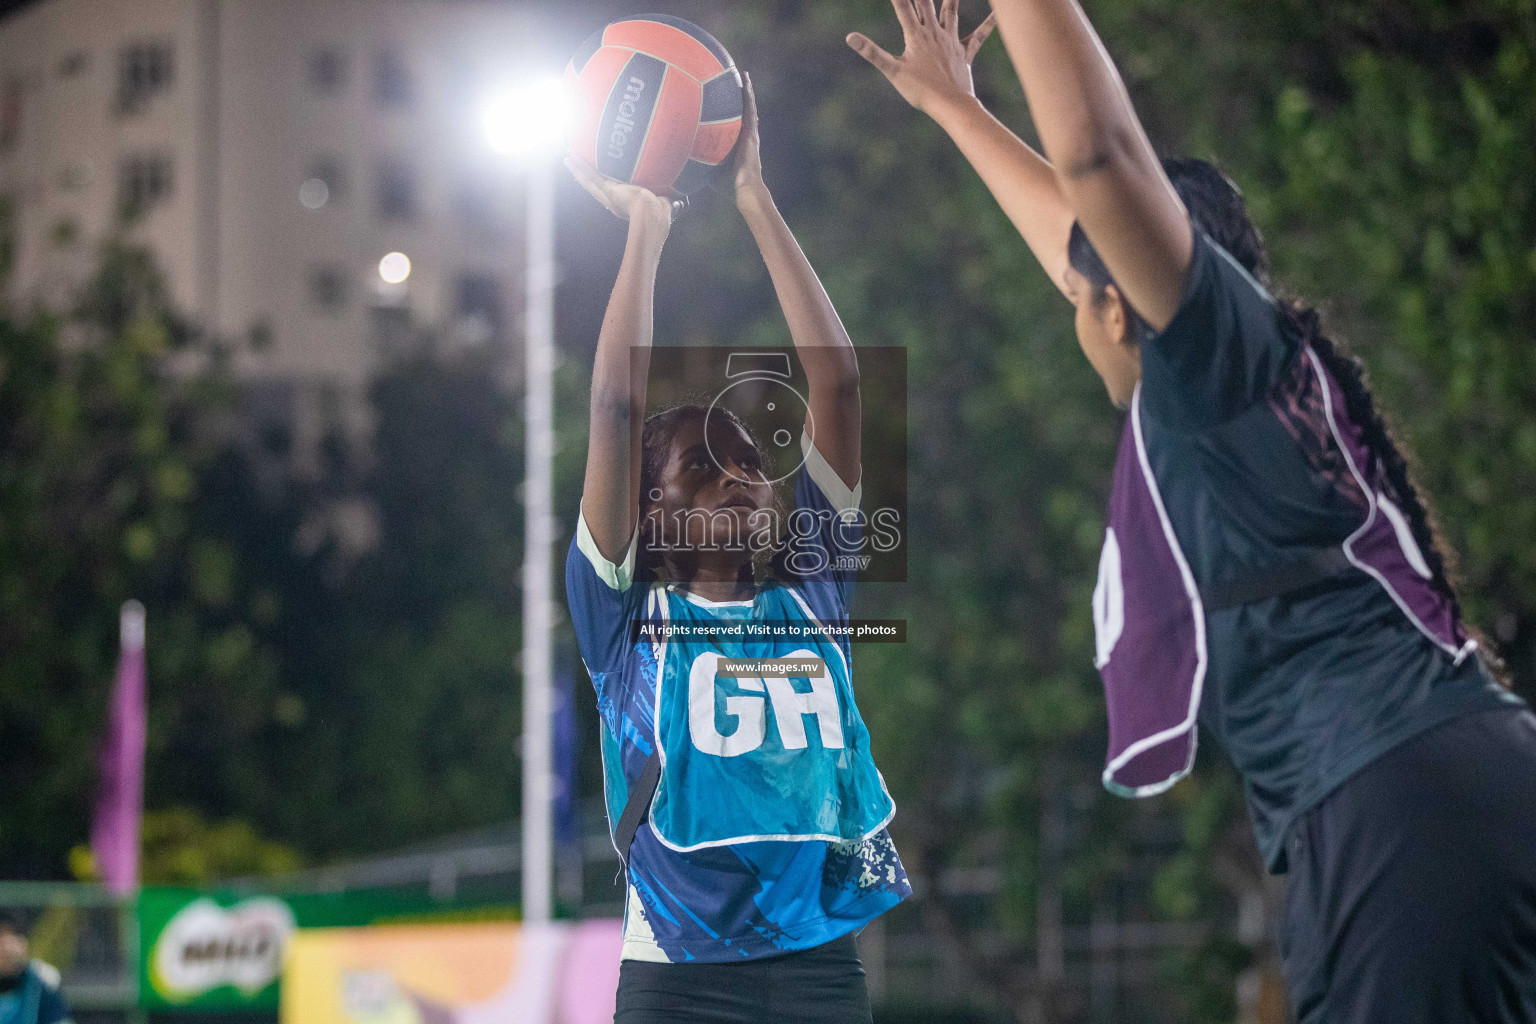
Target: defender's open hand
x,y
935,66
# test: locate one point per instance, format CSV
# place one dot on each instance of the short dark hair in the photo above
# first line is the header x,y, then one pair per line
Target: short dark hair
x,y
12,921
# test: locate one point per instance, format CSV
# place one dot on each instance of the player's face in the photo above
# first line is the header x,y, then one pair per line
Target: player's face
x,y
1104,332
720,475
13,953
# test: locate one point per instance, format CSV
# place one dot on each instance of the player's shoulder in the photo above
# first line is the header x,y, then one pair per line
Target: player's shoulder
x,y
820,484
586,559
47,974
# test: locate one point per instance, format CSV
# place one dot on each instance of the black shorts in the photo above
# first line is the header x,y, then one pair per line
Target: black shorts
x,y
824,985
1412,889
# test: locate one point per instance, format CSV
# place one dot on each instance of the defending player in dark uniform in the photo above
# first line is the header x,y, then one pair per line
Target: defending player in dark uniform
x,y
1269,569
764,848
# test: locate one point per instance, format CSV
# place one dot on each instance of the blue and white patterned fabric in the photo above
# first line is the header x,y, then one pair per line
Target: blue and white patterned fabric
x,y
767,832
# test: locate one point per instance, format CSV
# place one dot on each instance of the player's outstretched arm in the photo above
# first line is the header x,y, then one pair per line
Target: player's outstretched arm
x,y
1107,169
610,499
933,74
831,365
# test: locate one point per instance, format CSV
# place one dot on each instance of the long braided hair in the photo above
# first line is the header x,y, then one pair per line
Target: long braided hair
x,y
1217,208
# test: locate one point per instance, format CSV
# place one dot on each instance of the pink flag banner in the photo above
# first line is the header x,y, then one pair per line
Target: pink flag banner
x,y
120,787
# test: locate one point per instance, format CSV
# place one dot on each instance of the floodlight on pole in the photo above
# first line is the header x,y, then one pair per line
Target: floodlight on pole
x,y
529,123
538,546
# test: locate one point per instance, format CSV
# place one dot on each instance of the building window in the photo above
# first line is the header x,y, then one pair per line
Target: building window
x,y
395,199
392,86
478,306
10,115
76,175
327,288
327,71
74,63
144,182
143,69
66,232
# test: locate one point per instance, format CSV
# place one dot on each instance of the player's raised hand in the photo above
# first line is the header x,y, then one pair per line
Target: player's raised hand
x,y
935,65
626,202
748,160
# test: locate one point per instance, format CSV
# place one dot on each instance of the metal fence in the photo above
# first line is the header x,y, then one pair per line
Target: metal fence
x,y
84,931
1104,963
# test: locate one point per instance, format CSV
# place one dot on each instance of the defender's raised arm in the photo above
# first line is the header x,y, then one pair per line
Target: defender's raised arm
x,y
933,74
1104,164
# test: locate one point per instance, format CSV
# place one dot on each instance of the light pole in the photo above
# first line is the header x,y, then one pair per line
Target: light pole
x,y
529,122
539,538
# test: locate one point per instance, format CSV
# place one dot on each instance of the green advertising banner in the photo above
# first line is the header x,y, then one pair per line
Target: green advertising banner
x,y
201,950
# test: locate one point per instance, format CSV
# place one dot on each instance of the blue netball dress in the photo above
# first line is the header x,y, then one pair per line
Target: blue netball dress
x,y
767,832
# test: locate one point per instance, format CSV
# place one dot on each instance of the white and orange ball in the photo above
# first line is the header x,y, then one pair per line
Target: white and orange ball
x,y
658,103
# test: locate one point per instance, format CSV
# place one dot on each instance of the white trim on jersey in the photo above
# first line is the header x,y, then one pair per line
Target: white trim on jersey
x,y
639,941
704,602
842,498
1458,654
1148,742
618,577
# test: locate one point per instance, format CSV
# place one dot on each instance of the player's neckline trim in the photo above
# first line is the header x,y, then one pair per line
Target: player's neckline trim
x,y
705,602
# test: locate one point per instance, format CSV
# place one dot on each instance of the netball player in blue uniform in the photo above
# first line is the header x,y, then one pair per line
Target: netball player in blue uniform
x,y
1269,569
764,847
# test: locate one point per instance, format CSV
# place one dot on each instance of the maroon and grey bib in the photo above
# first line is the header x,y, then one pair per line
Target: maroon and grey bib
x,y
1150,614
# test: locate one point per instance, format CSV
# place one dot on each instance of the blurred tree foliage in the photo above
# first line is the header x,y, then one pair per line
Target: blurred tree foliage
x,y
181,847
335,701
98,503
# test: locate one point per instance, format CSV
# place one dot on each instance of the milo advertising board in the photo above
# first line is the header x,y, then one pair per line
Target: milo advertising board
x,y
224,951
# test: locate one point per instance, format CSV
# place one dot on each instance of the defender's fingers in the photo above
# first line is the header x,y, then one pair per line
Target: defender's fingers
x,y
868,49
926,15
975,39
949,14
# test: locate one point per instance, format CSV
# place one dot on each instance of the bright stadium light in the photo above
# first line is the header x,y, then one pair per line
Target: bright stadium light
x,y
530,123
395,268
529,119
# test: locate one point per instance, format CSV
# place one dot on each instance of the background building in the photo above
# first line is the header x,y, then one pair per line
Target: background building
x,y
270,154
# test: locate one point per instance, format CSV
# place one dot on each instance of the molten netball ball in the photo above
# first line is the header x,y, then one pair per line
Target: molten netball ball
x,y
658,103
